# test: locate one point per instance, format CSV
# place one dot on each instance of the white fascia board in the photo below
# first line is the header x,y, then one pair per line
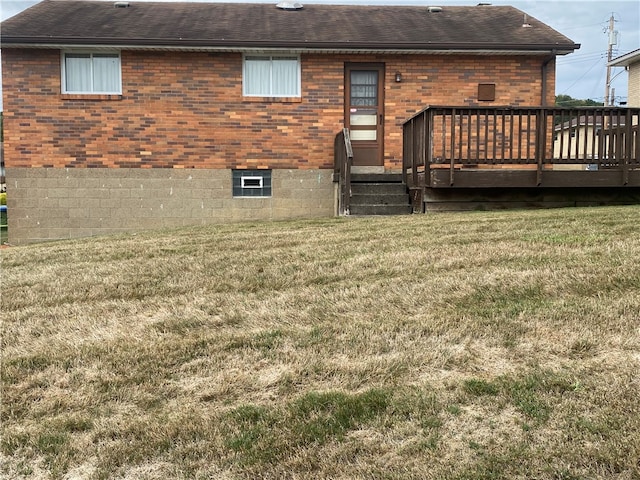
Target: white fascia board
x,y
626,60
341,51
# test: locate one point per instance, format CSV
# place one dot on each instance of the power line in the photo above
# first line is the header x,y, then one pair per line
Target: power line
x,y
582,60
581,77
599,24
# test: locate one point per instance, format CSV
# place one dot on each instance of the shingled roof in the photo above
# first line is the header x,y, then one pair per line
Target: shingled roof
x,y
237,26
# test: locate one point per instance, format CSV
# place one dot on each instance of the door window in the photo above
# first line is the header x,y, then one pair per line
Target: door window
x,y
364,105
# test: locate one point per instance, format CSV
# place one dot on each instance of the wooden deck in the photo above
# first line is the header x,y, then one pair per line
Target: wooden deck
x,y
505,147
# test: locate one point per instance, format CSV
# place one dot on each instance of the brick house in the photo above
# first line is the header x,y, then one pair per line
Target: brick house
x,y
131,115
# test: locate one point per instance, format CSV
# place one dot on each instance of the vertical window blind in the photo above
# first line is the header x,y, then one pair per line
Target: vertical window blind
x,y
92,73
272,76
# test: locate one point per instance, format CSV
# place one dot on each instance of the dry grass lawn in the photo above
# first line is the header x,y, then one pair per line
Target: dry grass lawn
x,y
454,346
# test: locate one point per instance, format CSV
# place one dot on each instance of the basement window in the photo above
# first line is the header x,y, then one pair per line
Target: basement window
x,y
251,183
93,73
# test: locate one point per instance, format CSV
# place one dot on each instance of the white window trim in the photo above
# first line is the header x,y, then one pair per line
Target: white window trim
x,y
63,72
252,176
249,179
298,94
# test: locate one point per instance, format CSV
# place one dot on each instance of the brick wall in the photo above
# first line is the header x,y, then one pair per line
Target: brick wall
x,y
186,110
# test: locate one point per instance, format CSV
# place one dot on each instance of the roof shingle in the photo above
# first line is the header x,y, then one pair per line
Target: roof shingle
x,y
182,24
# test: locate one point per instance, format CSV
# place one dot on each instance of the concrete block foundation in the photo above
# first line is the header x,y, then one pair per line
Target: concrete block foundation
x,y
58,203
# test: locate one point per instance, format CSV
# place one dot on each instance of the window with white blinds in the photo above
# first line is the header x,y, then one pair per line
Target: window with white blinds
x,y
271,76
91,73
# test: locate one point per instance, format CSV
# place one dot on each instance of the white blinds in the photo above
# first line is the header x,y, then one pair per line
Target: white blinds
x,y
364,88
78,72
106,73
92,73
272,76
257,76
285,77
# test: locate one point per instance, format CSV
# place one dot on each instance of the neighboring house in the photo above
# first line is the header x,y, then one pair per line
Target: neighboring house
x,y
631,62
579,138
123,116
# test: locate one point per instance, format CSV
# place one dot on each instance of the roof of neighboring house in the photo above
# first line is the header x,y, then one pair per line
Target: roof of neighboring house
x,y
590,120
237,26
626,59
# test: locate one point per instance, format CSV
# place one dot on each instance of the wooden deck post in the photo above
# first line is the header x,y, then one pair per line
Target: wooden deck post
x,y
541,122
452,144
628,147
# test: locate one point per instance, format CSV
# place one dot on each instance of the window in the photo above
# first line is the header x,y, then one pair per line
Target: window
x,y
91,73
275,76
364,88
251,183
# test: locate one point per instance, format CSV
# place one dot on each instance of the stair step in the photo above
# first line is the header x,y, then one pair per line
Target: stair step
x,y
376,178
379,194
378,188
404,209
379,199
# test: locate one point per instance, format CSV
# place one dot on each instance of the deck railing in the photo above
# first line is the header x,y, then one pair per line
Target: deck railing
x,y
507,138
343,160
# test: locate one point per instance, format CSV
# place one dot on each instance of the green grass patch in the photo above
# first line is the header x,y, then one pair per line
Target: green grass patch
x,y
4,228
479,387
529,393
262,341
262,435
494,302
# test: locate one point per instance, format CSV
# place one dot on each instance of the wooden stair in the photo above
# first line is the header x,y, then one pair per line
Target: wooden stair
x,y
379,194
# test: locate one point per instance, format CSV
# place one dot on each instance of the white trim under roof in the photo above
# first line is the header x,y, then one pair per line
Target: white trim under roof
x,y
626,60
340,51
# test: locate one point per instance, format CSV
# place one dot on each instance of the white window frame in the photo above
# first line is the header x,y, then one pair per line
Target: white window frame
x,y
243,183
63,57
247,182
271,58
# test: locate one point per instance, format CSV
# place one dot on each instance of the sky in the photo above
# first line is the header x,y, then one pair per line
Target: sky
x,y
581,74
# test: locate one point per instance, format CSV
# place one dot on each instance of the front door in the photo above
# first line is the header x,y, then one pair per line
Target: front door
x,y
364,112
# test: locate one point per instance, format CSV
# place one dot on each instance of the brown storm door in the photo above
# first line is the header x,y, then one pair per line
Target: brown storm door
x,y
364,112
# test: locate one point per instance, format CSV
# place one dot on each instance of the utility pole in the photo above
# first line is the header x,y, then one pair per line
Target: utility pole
x,y
612,35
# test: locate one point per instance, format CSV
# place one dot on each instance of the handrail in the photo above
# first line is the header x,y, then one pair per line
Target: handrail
x,y
516,138
343,160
